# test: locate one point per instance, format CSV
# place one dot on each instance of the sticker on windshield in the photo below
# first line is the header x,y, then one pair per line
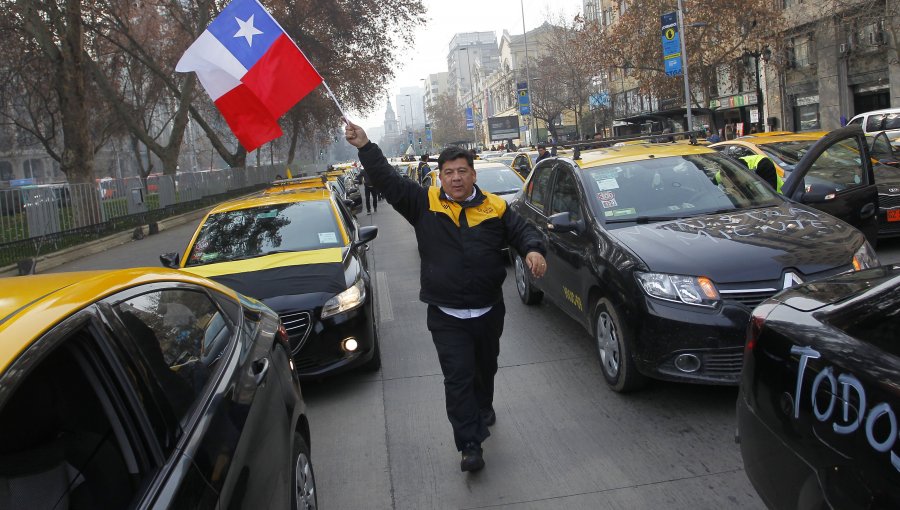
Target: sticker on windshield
x,y
327,237
608,204
267,214
206,257
627,211
606,195
607,184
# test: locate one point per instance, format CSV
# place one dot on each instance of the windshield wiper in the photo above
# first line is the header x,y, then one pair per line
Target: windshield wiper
x,y
506,192
257,255
645,219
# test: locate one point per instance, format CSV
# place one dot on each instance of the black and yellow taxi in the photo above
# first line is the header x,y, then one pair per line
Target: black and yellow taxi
x,y
146,388
660,251
297,248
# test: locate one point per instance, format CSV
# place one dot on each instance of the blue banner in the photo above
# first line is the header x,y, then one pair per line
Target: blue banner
x,y
427,132
524,98
470,120
671,44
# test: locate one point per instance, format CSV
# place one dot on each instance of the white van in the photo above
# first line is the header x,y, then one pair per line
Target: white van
x,y
880,120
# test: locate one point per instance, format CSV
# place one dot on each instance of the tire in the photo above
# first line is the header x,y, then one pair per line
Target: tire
x,y
303,494
374,364
614,351
527,293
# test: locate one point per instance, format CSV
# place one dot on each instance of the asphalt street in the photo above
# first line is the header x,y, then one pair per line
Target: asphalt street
x,y
562,439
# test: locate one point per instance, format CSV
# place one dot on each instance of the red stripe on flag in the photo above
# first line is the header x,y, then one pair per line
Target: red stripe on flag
x,y
282,77
248,119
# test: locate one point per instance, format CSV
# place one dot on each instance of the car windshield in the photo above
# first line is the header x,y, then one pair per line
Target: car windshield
x,y
787,154
258,231
506,160
498,180
675,187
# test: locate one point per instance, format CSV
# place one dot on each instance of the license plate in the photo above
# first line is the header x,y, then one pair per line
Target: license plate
x,y
893,215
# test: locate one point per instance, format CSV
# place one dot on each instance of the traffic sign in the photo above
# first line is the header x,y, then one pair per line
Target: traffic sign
x,y
524,98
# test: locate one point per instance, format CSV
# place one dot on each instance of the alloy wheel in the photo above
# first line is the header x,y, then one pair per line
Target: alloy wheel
x,y
305,483
521,284
608,343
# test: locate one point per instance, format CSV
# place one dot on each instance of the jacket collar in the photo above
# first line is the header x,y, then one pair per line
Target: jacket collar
x,y
477,200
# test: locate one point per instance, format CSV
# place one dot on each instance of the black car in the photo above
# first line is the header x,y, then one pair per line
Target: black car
x,y
297,248
817,410
662,250
146,388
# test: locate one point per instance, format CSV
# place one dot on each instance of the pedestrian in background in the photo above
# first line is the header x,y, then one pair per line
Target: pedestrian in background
x,y
461,233
543,153
368,189
423,167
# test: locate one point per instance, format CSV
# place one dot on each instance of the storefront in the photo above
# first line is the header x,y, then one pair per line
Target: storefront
x,y
736,115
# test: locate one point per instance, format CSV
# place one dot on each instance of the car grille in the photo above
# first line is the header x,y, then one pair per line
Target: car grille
x,y
297,326
750,298
310,363
888,201
723,362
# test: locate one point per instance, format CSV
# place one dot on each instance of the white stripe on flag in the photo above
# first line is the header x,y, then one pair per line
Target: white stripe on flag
x,y
217,69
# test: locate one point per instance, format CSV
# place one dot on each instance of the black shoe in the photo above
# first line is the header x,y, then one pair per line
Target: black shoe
x,y
368,213
471,458
489,416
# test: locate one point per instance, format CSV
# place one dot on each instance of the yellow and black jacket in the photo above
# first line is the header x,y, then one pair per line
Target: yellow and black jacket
x,y
460,244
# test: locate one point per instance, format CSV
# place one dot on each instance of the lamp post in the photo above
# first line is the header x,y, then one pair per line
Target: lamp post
x,y
684,57
471,90
756,54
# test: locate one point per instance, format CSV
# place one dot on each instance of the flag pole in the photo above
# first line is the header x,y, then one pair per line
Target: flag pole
x,y
330,93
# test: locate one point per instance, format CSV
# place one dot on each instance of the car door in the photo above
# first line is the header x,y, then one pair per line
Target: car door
x,y
535,200
568,253
836,176
213,392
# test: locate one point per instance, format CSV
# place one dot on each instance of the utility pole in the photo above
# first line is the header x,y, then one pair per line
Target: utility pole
x,y
528,76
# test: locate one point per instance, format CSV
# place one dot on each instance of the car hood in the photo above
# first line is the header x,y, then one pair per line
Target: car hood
x,y
744,246
281,274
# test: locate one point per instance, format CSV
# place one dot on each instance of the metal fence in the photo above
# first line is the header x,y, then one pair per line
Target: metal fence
x,y
48,217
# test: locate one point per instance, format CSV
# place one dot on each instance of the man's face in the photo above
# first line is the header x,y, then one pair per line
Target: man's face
x,y
457,179
541,151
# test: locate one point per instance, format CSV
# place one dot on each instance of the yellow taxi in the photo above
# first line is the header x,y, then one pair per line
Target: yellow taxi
x,y
784,148
524,162
297,248
112,382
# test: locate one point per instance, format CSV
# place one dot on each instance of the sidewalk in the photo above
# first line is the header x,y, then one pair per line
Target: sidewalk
x,y
51,260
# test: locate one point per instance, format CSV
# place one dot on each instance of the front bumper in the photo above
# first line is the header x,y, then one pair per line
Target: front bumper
x,y
317,343
714,336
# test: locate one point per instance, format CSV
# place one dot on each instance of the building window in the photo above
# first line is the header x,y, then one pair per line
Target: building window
x,y
802,51
806,113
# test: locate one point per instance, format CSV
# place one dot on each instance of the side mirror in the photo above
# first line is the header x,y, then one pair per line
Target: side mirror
x,y
367,234
171,260
562,222
815,193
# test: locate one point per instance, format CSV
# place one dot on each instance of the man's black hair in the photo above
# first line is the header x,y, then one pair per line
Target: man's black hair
x,y
541,146
451,153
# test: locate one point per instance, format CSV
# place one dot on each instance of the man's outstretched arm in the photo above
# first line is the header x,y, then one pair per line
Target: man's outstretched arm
x,y
407,197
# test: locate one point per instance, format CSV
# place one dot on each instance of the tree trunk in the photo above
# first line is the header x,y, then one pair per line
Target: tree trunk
x,y
295,135
77,160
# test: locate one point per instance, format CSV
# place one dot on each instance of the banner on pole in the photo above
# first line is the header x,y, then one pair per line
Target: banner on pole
x,y
524,98
671,43
470,119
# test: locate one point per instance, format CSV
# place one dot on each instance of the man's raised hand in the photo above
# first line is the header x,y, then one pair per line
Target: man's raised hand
x,y
355,135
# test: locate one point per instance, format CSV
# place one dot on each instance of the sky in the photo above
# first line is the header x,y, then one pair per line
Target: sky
x,y
428,54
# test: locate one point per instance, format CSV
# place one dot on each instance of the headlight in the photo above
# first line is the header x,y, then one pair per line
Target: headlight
x,y
692,290
347,300
865,257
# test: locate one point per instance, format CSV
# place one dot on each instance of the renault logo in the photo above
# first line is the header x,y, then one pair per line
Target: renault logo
x,y
791,279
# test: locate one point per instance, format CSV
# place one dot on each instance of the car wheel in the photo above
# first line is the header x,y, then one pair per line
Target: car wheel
x,y
304,495
375,363
527,293
614,349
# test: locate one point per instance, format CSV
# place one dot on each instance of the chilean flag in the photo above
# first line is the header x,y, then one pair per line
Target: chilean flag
x,y
251,69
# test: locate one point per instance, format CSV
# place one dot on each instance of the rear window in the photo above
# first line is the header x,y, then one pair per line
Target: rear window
x,y
892,121
874,122
259,231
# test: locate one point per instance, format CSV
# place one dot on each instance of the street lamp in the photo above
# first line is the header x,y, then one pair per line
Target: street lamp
x,y
528,74
684,56
471,90
756,54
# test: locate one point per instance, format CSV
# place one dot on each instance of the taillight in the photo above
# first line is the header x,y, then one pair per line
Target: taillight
x,y
757,321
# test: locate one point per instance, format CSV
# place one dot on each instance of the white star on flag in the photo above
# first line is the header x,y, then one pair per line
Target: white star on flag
x,y
247,30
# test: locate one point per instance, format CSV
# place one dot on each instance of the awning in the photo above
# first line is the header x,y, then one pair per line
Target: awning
x,y
665,115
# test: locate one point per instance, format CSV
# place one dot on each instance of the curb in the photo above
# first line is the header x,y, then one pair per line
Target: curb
x,y
58,258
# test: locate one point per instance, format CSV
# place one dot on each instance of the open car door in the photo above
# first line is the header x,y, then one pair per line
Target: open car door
x,y
836,176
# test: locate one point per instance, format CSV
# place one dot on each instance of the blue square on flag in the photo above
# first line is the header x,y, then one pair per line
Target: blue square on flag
x,y
246,29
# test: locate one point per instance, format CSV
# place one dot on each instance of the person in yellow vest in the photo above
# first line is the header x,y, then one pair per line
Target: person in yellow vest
x,y
765,168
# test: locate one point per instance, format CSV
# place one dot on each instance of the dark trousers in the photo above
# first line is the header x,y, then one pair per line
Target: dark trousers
x,y
371,192
468,350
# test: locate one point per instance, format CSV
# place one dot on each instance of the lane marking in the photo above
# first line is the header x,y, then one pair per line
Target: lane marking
x,y
385,309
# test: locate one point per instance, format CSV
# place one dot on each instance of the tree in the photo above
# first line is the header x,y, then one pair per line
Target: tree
x,y
571,65
549,96
719,33
448,121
